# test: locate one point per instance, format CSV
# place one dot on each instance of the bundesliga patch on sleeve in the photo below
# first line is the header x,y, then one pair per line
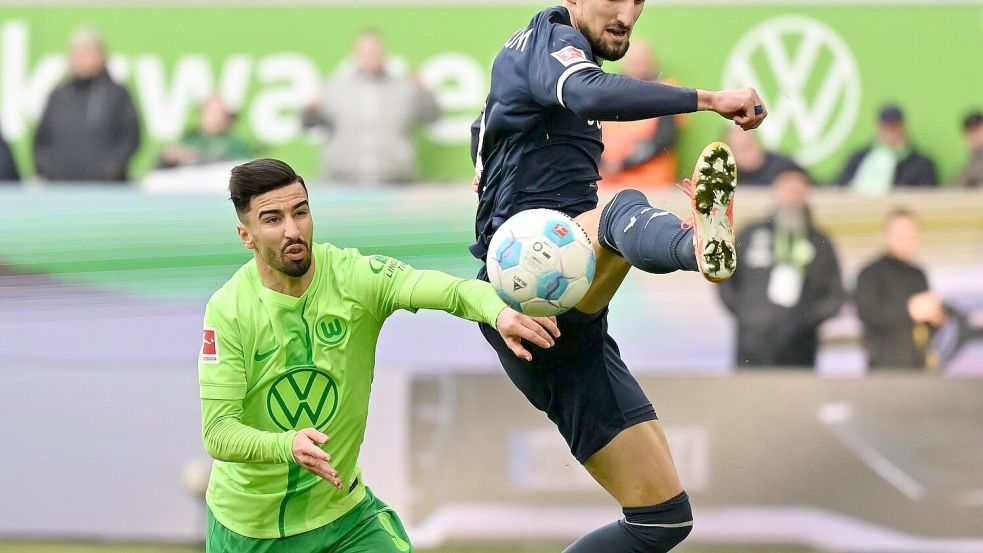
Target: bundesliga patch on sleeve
x,y
570,55
209,347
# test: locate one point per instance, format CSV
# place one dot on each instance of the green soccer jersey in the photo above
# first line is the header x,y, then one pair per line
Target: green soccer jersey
x,y
272,364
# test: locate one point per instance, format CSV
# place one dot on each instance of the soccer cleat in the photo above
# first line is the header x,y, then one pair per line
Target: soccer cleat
x,y
711,193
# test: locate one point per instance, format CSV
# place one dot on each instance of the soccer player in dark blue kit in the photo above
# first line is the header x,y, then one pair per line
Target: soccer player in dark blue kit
x,y
537,144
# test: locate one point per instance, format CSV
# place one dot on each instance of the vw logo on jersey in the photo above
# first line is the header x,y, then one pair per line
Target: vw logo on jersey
x,y
302,398
807,76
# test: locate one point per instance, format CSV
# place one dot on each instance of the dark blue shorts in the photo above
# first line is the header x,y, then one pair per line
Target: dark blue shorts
x,y
581,383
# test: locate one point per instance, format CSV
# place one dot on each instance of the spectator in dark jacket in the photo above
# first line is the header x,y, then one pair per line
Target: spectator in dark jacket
x,y
894,302
890,161
787,282
8,167
89,129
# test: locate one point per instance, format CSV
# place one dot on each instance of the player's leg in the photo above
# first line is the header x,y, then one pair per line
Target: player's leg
x,y
220,539
630,232
609,272
585,388
636,468
379,530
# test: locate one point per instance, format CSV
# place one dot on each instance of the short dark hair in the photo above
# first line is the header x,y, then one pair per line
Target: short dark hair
x,y
259,177
901,213
973,121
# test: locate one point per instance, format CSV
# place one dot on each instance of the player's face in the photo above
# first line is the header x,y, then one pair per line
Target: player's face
x,y
607,24
279,228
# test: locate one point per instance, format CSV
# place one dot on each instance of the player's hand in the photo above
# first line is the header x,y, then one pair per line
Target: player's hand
x,y
474,184
737,105
515,327
313,458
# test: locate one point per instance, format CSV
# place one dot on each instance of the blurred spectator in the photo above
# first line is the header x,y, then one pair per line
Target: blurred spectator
x,y
972,174
89,129
8,167
639,154
893,300
755,165
212,142
890,161
370,113
787,282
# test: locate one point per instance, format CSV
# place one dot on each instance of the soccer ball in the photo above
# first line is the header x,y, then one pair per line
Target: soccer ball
x,y
541,262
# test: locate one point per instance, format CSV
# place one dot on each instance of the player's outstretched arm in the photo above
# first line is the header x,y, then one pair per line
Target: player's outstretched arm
x,y
476,300
386,284
596,95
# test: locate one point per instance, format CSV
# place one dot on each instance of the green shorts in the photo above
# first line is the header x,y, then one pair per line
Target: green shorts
x,y
371,527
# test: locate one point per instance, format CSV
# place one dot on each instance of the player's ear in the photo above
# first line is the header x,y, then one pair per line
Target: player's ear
x,y
247,240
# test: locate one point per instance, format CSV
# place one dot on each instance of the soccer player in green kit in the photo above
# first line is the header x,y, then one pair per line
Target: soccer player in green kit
x,y
286,368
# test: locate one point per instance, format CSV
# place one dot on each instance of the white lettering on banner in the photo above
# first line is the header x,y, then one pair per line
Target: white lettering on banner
x,y
234,80
167,108
458,82
278,85
23,93
275,112
820,123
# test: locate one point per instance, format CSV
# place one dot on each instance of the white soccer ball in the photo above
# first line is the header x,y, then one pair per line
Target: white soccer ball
x,y
541,262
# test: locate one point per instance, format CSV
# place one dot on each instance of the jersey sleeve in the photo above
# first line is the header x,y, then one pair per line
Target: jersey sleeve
x,y
556,53
471,299
386,284
226,438
221,367
378,280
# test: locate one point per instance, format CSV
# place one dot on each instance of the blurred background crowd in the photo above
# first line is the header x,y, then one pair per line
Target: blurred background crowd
x,y
366,120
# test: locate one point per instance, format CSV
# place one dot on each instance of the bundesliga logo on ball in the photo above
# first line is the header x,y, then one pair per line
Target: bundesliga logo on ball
x,y
541,262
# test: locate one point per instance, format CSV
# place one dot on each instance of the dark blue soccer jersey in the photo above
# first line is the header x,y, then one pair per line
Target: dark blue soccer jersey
x,y
538,143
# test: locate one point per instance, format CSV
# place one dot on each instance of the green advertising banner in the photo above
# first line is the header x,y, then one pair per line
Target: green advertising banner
x,y
823,69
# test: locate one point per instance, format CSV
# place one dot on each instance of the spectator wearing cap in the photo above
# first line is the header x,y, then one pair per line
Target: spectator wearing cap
x,y
890,161
972,175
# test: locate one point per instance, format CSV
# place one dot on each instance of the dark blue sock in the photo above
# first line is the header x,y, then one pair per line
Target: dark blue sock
x,y
647,237
655,529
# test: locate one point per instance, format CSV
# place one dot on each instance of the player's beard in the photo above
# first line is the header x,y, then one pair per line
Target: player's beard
x,y
605,51
295,268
